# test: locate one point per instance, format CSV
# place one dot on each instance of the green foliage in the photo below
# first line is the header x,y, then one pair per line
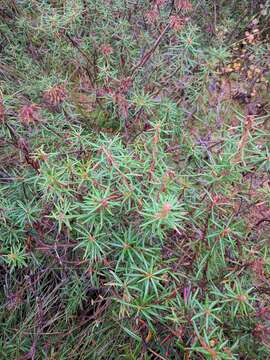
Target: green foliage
x,y
134,180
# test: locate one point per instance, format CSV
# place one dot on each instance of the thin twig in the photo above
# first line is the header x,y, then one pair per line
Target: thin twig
x,y
148,55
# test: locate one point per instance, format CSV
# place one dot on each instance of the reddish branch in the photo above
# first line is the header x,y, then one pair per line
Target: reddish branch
x,y
148,55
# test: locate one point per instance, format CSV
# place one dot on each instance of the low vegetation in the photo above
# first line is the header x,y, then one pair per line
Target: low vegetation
x,y
134,179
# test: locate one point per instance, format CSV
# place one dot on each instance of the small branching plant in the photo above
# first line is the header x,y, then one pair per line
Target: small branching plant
x,y
134,179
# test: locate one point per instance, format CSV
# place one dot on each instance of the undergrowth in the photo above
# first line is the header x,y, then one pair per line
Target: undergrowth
x,y
134,179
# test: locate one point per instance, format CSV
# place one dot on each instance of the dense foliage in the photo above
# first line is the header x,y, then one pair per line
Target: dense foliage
x,y
134,179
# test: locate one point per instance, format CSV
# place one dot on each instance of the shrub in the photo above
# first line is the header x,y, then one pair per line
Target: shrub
x,y
134,180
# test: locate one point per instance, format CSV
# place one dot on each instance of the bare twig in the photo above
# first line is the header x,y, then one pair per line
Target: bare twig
x,y
148,55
